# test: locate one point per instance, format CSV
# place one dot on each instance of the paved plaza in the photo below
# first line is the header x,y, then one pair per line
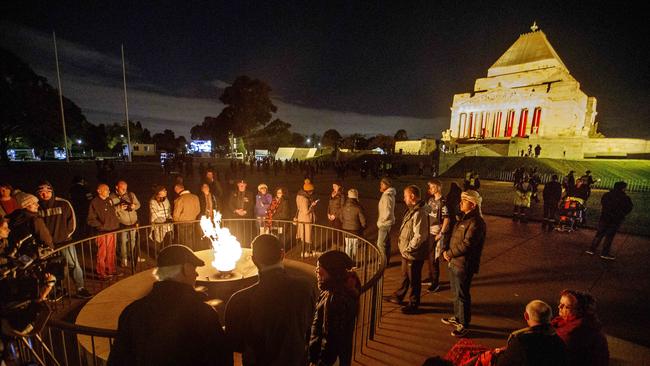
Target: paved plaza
x,y
521,263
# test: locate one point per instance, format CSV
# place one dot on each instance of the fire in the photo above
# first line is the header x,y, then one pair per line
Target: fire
x,y
225,246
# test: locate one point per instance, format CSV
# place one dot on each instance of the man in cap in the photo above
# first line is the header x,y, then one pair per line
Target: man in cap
x,y
269,321
61,222
464,256
171,325
25,222
241,202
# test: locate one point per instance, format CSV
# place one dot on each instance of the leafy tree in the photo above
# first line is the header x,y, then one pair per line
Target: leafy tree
x,y
30,110
272,136
248,106
297,139
401,135
386,143
331,138
167,141
355,141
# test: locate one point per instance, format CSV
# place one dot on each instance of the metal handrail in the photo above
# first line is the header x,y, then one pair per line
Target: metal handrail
x,y
371,266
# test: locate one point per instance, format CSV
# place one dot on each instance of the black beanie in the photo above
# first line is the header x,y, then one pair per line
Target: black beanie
x,y
336,263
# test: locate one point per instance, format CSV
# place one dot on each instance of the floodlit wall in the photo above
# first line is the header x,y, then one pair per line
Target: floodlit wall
x,y
415,147
290,153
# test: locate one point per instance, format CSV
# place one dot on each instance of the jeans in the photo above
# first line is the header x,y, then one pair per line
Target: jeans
x,y
70,254
411,277
460,280
128,240
383,242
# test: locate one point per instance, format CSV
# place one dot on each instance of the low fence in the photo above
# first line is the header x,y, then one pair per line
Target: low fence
x,y
137,251
633,185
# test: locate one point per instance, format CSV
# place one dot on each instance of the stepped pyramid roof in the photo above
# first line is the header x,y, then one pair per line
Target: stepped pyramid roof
x,y
531,51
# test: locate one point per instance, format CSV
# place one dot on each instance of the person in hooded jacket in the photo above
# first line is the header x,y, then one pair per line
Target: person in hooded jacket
x,y
353,220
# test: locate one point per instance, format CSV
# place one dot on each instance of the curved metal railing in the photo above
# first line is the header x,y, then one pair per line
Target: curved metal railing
x,y
302,241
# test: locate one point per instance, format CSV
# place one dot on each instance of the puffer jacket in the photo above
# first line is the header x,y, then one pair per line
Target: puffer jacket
x,y
467,241
414,233
126,217
352,217
386,217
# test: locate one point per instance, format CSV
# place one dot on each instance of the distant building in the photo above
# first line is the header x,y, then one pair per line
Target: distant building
x,y
415,147
143,149
527,92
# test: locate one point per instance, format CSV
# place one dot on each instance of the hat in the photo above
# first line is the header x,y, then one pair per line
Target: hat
x,y
178,254
353,193
44,186
336,263
386,181
25,199
262,185
472,196
308,186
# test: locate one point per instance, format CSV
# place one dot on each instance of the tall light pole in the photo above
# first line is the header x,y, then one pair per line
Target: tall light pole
x,y
126,108
58,77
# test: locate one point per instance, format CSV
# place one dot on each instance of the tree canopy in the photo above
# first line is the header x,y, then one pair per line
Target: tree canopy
x,y
401,135
331,138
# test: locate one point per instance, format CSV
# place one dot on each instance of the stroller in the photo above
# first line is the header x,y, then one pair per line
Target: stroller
x,y
572,214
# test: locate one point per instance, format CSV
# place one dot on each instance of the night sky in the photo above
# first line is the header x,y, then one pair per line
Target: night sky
x,y
353,66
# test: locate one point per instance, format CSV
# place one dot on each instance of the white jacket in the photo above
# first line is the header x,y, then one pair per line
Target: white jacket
x,y
386,207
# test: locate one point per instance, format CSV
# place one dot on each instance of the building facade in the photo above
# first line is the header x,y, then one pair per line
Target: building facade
x,y
528,92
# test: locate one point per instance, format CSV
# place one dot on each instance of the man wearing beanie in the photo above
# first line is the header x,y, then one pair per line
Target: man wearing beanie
x,y
25,222
386,216
353,221
413,246
61,222
333,326
269,321
464,256
172,325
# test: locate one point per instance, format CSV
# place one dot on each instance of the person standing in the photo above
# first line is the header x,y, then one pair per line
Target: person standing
x,y
353,221
615,206
464,257
279,211
412,242
305,216
160,216
332,329
385,217
241,203
171,325
25,222
552,195
262,203
186,209
80,197
60,219
207,201
215,187
336,202
436,208
522,198
103,219
126,208
269,321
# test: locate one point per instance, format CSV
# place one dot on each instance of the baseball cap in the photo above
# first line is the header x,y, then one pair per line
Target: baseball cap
x,y
178,254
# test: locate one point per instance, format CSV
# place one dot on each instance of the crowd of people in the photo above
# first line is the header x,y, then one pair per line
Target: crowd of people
x,y
433,228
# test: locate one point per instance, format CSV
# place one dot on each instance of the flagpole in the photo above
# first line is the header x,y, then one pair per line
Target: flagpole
x,y
126,107
58,76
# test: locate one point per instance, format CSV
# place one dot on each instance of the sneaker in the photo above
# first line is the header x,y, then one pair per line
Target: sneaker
x,y
141,260
608,257
124,263
590,252
394,300
450,321
434,288
459,331
410,309
427,281
82,293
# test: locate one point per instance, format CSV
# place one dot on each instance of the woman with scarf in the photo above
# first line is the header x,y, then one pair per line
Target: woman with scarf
x,y
580,329
160,213
278,210
333,326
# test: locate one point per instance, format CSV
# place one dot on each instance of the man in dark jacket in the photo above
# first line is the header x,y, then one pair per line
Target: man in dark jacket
x,y
552,195
25,222
535,345
103,219
464,257
413,246
61,222
241,202
171,325
269,322
615,206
